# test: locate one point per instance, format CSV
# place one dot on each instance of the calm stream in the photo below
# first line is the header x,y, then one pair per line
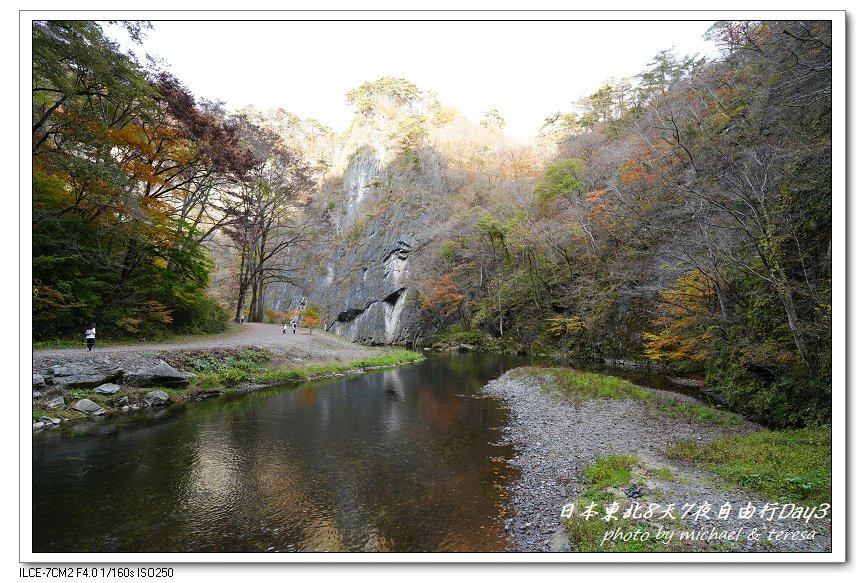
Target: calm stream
x,y
396,460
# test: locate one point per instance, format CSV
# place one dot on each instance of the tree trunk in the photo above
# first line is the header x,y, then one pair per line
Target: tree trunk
x,y
783,289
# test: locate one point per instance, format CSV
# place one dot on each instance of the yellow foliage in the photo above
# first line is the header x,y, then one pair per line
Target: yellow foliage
x,y
682,310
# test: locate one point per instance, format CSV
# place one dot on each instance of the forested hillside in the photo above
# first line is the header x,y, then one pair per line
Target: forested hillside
x,y
681,215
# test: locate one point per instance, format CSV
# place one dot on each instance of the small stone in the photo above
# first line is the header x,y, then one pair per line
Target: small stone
x,y
123,401
125,408
157,398
87,406
49,420
56,403
38,426
107,389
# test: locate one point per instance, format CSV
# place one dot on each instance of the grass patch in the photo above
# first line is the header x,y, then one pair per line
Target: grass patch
x,y
247,368
388,360
665,473
788,466
608,472
78,394
575,384
599,481
697,413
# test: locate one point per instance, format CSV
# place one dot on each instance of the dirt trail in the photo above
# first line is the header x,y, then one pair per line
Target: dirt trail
x,y
301,347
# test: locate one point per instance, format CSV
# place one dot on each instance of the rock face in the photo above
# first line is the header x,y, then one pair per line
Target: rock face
x,y
83,376
161,374
88,406
157,398
363,272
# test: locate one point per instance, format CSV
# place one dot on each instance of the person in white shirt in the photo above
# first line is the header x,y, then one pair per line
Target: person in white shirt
x,y
284,328
90,336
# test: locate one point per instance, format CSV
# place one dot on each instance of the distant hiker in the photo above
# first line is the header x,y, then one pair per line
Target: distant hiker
x,y
241,319
294,327
90,335
284,328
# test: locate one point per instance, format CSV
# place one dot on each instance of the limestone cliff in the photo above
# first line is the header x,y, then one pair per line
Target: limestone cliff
x,y
360,263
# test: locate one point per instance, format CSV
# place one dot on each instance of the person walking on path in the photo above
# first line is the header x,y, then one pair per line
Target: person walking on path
x,y
90,336
284,328
294,327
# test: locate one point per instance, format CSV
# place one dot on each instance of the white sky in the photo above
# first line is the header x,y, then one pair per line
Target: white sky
x,y
526,70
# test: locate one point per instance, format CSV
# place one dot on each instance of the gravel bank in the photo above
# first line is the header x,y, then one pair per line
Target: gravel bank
x,y
555,439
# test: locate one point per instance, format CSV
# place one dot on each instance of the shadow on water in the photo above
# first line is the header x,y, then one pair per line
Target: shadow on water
x,y
396,460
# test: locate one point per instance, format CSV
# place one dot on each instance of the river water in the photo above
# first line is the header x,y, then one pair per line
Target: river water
x,y
398,460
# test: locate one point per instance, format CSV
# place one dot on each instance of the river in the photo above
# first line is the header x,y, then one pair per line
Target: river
x,y
398,460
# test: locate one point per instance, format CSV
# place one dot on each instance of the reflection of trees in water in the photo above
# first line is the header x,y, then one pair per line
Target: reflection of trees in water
x,y
337,465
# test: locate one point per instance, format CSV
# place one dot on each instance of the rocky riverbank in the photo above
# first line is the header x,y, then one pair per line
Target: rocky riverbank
x,y
556,438
75,384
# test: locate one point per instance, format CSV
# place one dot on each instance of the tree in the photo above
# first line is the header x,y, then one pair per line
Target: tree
x,y
492,120
684,313
389,91
267,224
114,159
311,316
562,178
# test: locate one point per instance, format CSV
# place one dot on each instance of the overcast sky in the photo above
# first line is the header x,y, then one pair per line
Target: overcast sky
x,y
526,70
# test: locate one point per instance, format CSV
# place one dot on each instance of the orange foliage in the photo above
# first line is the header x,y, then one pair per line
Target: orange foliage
x,y
444,296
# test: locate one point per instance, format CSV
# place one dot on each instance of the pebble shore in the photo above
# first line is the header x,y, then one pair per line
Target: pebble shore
x,y
555,439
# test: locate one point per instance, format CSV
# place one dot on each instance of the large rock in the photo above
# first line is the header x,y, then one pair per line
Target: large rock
x,y
107,389
80,376
88,406
161,374
157,398
38,381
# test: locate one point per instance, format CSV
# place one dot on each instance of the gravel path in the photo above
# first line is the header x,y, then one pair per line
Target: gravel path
x,y
555,439
300,348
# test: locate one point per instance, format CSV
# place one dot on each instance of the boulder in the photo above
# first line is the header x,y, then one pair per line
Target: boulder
x,y
38,381
38,426
79,376
157,398
161,374
124,400
56,403
107,389
49,420
88,406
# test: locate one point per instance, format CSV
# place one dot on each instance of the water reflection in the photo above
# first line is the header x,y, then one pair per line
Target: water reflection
x,y
398,460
